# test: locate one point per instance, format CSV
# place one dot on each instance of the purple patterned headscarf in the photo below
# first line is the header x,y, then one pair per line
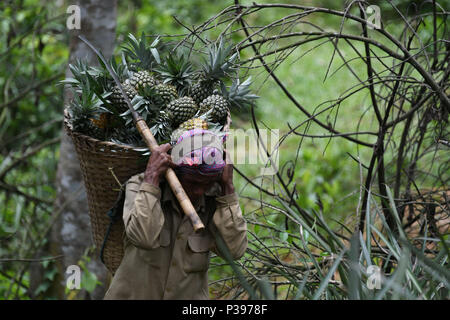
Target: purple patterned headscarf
x,y
199,151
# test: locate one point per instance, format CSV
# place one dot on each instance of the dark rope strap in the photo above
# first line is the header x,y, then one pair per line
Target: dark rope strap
x,y
114,214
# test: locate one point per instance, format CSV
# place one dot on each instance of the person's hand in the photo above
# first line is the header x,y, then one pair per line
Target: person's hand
x,y
227,177
157,165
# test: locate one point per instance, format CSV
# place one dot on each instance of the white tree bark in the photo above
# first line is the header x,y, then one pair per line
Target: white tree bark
x,y
71,234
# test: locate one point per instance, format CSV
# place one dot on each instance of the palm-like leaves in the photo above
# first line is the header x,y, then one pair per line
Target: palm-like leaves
x,y
219,63
84,107
240,94
141,55
177,71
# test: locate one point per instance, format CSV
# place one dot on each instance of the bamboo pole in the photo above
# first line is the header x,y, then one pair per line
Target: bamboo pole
x,y
151,142
172,178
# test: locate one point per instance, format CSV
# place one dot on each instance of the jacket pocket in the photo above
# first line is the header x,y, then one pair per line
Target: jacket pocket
x,y
155,257
197,253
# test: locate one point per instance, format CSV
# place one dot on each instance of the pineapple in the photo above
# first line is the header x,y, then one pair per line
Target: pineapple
x,y
217,67
194,123
143,58
165,93
103,78
176,135
102,121
202,89
217,105
182,109
118,100
161,126
142,79
83,75
127,136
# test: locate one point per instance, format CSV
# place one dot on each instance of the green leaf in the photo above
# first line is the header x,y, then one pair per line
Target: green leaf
x,y
305,235
302,286
89,281
225,252
306,227
6,232
271,223
42,288
266,289
394,211
434,269
18,215
155,54
45,263
50,274
395,281
354,279
326,280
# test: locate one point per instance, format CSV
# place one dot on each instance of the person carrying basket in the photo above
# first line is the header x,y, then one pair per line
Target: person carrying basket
x,y
164,258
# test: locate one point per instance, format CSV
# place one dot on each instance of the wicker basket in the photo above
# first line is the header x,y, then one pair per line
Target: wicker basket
x,y
97,159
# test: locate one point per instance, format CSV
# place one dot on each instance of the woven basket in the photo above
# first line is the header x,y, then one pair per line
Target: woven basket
x,y
97,159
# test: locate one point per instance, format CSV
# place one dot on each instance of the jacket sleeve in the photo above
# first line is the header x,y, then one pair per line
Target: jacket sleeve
x,y
231,225
142,214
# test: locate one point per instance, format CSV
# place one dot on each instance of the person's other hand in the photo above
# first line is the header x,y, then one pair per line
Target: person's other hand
x,y
227,176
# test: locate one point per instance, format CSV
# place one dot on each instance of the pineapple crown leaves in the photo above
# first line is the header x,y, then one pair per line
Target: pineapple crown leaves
x,y
239,94
143,56
220,62
216,128
89,79
142,106
161,126
80,73
177,71
146,91
150,96
89,93
121,70
84,106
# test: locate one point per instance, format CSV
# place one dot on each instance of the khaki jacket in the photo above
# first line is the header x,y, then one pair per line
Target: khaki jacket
x,y
164,258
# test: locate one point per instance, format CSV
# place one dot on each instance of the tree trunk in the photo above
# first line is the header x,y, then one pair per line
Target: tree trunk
x,y
71,233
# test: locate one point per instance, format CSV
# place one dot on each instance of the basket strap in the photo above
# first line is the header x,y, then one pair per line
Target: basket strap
x,y
114,214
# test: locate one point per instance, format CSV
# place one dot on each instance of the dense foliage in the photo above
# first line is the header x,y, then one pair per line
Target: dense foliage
x,y
362,186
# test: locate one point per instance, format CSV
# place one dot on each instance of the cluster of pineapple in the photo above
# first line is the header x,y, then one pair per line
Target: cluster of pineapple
x,y
163,86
